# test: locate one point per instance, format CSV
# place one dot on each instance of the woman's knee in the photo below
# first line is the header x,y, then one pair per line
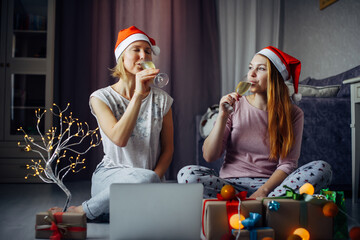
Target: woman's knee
x,y
322,174
320,163
183,172
326,169
322,166
187,168
148,176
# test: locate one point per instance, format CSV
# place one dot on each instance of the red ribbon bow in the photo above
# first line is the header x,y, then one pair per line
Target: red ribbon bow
x,y
56,232
241,195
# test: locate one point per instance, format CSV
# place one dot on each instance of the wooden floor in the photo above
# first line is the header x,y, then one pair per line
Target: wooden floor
x,y
19,204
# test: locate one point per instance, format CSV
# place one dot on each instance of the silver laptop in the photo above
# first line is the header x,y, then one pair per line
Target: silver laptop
x,y
155,211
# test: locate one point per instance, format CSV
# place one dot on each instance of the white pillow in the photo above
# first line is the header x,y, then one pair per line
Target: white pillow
x,y
208,120
315,91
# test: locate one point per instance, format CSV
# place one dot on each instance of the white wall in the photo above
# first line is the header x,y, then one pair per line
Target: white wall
x,y
326,41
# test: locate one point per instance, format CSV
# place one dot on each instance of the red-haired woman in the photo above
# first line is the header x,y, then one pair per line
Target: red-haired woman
x,y
261,137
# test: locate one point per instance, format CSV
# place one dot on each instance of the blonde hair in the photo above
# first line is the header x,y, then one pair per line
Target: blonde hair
x,y
279,106
119,70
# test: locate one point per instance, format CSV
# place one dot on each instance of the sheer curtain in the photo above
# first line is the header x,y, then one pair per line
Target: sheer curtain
x,y
245,28
186,32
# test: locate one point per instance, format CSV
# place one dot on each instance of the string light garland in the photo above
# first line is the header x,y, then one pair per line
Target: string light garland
x,y
329,209
227,193
54,146
306,193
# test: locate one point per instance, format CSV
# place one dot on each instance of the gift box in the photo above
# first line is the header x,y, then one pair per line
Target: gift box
x,y
60,225
215,219
292,214
254,234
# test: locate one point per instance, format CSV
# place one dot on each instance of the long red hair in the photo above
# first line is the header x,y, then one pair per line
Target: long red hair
x,y
279,106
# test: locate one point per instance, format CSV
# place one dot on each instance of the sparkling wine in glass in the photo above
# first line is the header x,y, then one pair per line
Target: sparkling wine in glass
x,y
241,89
161,80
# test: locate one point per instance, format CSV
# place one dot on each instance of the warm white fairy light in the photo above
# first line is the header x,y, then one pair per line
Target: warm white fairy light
x,y
55,143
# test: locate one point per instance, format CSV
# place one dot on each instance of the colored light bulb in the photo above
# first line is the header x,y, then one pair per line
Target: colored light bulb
x,y
234,221
303,233
307,188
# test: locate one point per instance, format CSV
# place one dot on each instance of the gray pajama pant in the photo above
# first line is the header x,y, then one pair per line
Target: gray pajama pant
x,y
98,204
318,173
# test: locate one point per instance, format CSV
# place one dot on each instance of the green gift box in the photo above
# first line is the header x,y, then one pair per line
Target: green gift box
x,y
340,220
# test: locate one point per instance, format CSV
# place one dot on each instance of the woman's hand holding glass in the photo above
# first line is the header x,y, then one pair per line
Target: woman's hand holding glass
x,y
144,79
240,90
228,101
161,79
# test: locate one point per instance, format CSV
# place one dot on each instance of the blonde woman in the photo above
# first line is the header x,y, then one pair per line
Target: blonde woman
x,y
261,137
135,122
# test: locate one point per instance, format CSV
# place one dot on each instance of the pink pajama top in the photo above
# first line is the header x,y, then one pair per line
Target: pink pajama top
x,y
246,141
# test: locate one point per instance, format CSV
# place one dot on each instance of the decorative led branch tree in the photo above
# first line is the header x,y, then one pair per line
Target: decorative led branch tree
x,y
53,147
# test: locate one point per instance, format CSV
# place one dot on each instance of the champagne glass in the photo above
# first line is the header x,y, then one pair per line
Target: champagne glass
x,y
241,89
161,80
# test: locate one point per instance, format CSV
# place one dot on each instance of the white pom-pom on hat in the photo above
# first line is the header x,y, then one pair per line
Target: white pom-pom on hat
x,y
288,66
296,97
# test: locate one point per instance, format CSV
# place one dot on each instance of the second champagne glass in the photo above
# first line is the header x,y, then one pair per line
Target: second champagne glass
x,y
241,89
161,80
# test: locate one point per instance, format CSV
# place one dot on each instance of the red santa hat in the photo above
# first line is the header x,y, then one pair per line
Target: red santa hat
x,y
130,35
288,66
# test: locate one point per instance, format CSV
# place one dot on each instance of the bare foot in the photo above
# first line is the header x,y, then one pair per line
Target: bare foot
x,y
55,210
75,209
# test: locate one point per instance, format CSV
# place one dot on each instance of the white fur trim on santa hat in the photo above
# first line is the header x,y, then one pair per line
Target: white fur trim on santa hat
x,y
276,61
133,38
